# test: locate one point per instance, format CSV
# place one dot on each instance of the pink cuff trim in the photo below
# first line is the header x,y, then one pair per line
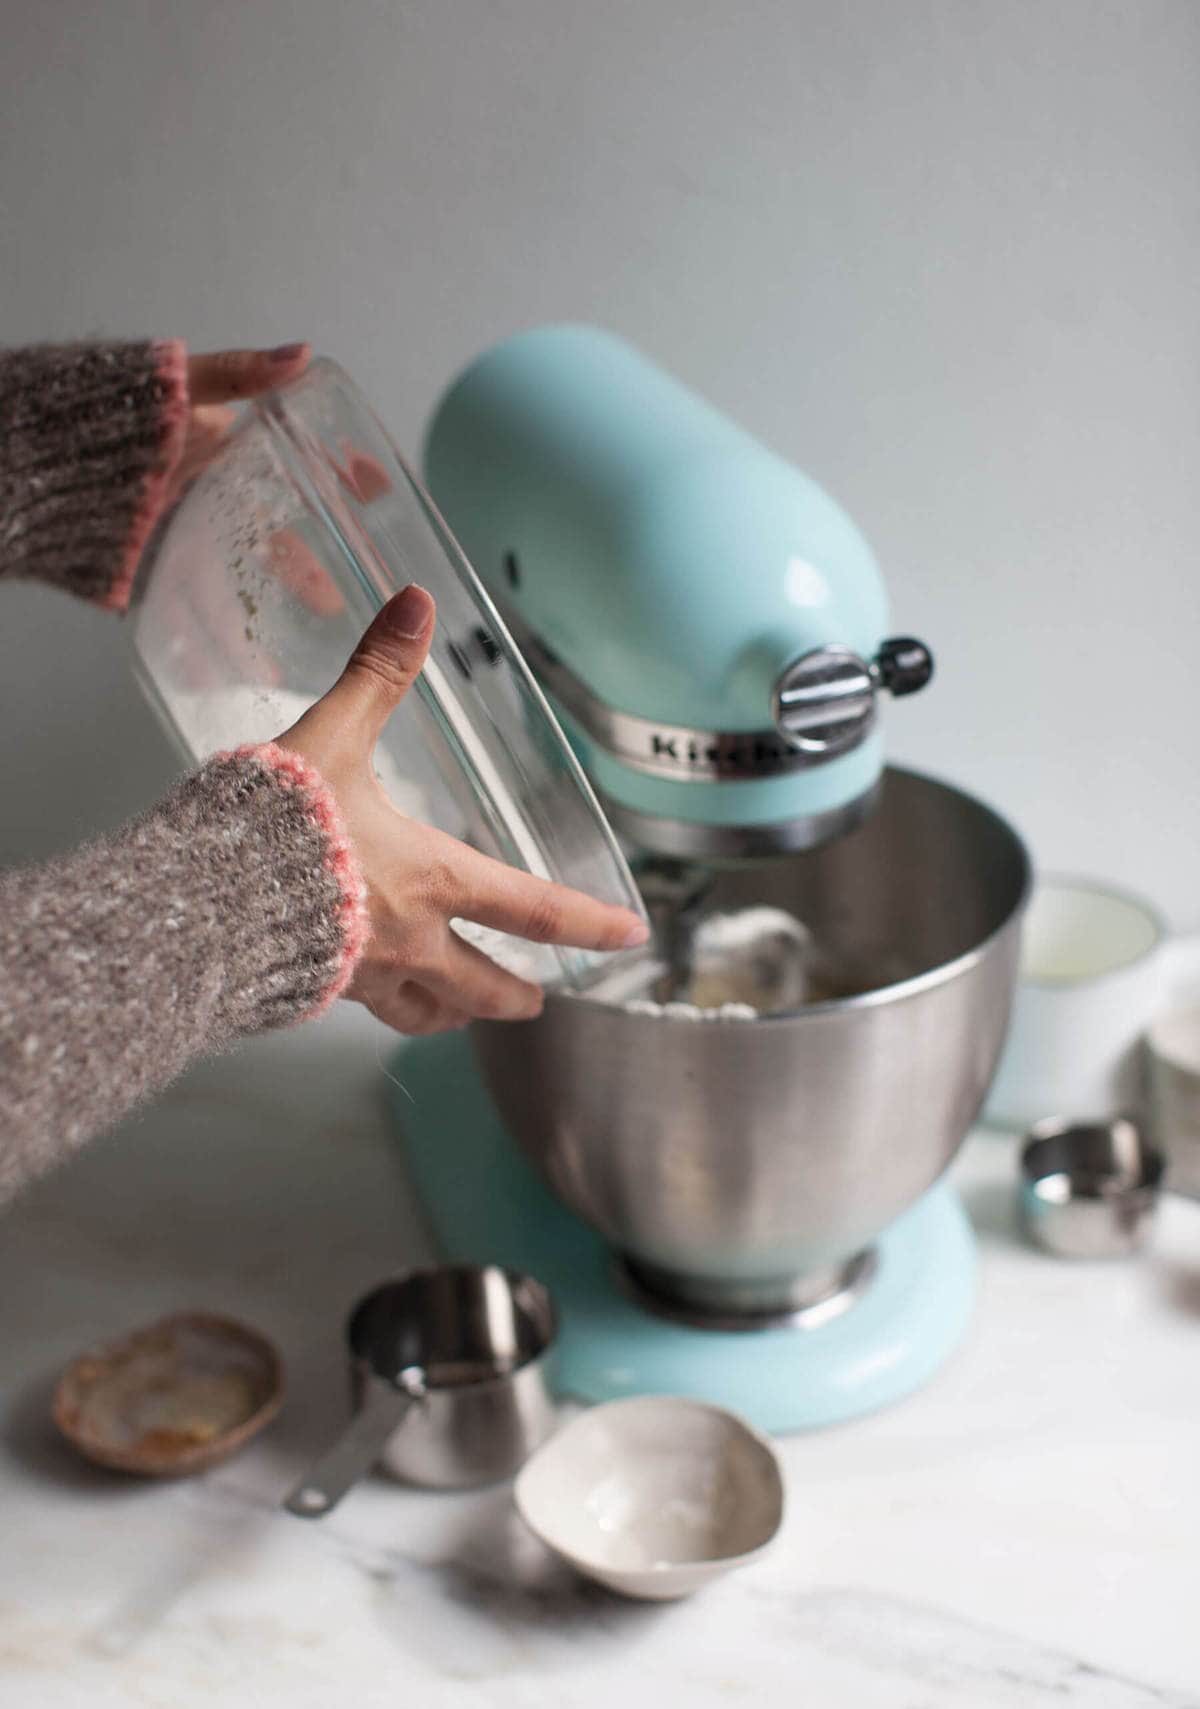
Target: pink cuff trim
x,y
295,772
170,359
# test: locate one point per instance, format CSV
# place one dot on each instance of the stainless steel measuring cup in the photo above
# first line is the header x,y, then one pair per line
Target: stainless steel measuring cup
x,y
448,1380
1089,1189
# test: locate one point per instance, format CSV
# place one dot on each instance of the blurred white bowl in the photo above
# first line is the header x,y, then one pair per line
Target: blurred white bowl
x,y
1094,974
654,1497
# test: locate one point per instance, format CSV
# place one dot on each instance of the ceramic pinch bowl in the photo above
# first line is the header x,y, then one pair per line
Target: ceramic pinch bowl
x,y
173,1398
654,1497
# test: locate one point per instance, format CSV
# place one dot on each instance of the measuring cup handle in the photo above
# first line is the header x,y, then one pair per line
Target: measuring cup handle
x,y
353,1454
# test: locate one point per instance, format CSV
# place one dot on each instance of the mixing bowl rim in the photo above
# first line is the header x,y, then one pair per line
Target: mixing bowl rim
x,y
901,989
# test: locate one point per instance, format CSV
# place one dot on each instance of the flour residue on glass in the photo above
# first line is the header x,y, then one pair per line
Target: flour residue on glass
x,y
515,955
222,718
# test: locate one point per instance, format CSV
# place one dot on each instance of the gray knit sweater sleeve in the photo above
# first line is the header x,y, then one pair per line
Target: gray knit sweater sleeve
x,y
90,435
233,906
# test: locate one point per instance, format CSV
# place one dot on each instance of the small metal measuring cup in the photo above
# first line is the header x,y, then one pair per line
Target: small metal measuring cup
x,y
448,1381
1089,1189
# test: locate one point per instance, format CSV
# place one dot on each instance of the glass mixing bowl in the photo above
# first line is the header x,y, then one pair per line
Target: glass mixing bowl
x,y
260,582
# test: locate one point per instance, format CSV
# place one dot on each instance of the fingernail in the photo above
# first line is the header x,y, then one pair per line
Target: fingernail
x,y
639,935
285,353
410,612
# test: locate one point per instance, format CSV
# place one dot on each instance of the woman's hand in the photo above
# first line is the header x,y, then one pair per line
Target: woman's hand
x,y
416,973
219,380
215,383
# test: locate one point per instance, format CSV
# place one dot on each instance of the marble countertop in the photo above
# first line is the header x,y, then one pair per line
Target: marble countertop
x,y
1025,1531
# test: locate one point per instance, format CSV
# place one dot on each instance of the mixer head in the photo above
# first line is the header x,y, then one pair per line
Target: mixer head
x,y
710,627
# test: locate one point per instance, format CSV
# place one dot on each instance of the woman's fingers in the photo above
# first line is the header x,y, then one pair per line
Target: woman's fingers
x,y
227,375
208,428
418,975
362,475
407,1006
296,567
510,901
459,986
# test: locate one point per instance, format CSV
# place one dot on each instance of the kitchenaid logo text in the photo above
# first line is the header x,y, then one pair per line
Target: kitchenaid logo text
x,y
733,755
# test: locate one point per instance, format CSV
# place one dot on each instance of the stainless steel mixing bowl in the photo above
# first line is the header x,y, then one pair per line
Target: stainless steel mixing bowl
x,y
742,1168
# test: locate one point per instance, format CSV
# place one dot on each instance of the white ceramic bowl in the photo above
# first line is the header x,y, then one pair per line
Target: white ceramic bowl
x,y
654,1497
1093,976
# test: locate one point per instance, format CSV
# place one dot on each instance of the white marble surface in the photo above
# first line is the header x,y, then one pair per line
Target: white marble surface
x,y
1026,1531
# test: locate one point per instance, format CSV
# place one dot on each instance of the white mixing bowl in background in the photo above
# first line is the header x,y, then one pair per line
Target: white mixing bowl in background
x,y
1093,975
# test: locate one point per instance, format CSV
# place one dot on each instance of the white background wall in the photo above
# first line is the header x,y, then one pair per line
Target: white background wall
x,y
943,253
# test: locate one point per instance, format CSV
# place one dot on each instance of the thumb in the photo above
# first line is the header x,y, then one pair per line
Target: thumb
x,y
387,661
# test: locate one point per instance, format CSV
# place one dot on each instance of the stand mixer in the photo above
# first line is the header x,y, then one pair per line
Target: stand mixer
x,y
741,1133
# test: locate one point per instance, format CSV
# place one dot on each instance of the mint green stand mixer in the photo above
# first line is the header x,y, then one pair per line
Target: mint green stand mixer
x,y
732,1184
709,624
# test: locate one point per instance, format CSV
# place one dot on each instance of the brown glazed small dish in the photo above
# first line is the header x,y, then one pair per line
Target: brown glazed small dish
x,y
175,1397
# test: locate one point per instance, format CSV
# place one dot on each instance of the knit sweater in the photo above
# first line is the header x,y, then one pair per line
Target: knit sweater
x,y
235,904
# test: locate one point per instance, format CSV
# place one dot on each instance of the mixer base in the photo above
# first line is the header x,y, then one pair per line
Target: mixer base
x,y
485,1203
806,1303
